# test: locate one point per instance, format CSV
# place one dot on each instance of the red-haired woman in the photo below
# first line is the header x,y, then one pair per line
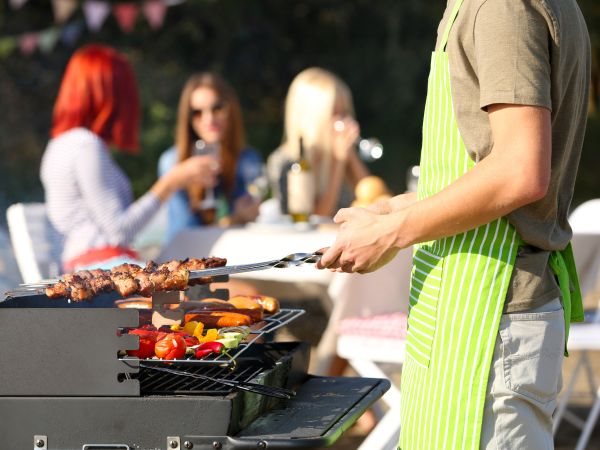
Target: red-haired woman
x,y
88,197
209,119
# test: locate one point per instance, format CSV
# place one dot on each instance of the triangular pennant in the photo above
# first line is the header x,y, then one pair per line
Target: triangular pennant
x,y
71,32
28,43
7,46
48,39
63,9
16,4
126,14
155,11
95,12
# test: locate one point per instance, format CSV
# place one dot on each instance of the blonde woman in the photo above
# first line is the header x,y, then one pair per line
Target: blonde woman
x,y
319,109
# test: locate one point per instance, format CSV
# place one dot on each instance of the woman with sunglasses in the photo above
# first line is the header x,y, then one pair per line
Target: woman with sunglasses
x,y
89,199
209,121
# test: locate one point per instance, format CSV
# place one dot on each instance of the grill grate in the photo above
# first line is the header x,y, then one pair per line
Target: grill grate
x,y
266,326
161,383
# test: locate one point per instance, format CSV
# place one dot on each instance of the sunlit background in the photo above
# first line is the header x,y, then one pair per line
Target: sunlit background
x,y
380,48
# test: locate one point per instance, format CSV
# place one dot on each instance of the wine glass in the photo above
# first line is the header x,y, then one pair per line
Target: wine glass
x,y
369,149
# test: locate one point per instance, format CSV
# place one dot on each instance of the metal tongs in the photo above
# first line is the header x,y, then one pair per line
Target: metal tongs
x,y
270,391
292,260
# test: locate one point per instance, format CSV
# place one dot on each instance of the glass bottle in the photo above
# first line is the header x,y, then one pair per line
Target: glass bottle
x,y
300,187
207,207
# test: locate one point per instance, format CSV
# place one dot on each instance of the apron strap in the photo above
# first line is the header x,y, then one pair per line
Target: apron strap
x,y
449,24
563,265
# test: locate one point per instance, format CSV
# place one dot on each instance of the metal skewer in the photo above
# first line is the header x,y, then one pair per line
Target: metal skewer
x,y
291,260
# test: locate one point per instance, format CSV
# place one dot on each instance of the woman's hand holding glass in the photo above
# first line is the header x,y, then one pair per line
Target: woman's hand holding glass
x,y
346,132
197,170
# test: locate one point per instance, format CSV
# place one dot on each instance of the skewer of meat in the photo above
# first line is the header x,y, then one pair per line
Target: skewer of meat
x,y
129,279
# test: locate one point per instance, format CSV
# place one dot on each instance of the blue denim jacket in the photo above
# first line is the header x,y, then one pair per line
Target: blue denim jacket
x,y
180,215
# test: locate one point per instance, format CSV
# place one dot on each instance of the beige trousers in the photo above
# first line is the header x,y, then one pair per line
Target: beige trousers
x,y
525,379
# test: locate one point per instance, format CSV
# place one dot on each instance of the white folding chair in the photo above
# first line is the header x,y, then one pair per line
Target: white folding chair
x,y
37,245
584,337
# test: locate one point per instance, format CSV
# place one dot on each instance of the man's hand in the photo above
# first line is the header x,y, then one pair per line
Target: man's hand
x,y
364,243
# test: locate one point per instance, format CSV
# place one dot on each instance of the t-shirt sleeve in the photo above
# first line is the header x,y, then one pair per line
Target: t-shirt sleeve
x,y
512,42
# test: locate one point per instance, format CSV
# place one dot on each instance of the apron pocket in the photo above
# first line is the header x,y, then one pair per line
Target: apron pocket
x,y
426,283
532,353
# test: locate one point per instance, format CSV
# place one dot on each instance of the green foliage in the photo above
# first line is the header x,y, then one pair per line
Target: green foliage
x,y
381,49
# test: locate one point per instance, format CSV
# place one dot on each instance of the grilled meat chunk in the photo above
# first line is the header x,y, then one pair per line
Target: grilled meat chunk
x,y
177,280
80,289
101,283
125,284
58,290
147,286
126,268
130,279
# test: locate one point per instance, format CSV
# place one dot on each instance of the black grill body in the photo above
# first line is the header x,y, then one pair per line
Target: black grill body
x,y
63,386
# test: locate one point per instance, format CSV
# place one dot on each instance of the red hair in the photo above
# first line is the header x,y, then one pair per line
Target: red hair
x,y
99,92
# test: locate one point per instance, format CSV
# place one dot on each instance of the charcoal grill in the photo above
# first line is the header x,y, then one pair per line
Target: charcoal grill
x,y
64,386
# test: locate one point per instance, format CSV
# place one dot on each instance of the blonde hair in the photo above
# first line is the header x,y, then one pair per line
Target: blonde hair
x,y
309,107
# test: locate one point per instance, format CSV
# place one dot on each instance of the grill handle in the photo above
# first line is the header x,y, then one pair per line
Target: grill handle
x,y
105,447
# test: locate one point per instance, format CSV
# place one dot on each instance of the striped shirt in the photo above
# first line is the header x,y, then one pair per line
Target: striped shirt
x,y
88,197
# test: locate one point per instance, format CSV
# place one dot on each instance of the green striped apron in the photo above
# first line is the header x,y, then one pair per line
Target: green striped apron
x,y
457,294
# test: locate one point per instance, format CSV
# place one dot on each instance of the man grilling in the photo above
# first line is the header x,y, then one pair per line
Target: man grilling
x,y
494,286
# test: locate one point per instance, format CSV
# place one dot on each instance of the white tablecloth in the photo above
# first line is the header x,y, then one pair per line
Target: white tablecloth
x,y
349,295
253,244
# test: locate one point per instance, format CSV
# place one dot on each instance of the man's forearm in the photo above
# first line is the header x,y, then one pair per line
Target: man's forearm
x,y
516,173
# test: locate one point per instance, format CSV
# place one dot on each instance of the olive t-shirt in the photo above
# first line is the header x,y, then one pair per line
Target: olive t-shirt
x,y
525,52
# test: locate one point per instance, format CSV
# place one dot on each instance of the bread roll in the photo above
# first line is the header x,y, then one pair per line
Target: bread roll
x,y
368,189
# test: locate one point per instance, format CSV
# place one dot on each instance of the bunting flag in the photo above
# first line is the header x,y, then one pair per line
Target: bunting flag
x,y
48,39
154,11
96,12
7,46
16,4
63,9
70,33
28,43
126,14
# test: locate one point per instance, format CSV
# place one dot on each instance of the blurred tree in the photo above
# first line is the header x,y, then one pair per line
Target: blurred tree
x,y
381,49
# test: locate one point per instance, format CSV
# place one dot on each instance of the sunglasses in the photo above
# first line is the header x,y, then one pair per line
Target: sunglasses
x,y
216,108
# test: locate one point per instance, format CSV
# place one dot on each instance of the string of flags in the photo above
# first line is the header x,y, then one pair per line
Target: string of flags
x,y
95,13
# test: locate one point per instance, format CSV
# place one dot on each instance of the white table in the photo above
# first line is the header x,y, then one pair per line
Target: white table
x,y
251,244
342,295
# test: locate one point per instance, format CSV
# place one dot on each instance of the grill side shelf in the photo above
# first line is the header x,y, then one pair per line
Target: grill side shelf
x,y
324,408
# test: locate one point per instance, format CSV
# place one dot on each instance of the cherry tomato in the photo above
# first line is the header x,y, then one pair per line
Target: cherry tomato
x,y
146,349
172,346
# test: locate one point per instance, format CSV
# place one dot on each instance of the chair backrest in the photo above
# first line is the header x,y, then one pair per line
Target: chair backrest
x,y
586,217
36,243
585,221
